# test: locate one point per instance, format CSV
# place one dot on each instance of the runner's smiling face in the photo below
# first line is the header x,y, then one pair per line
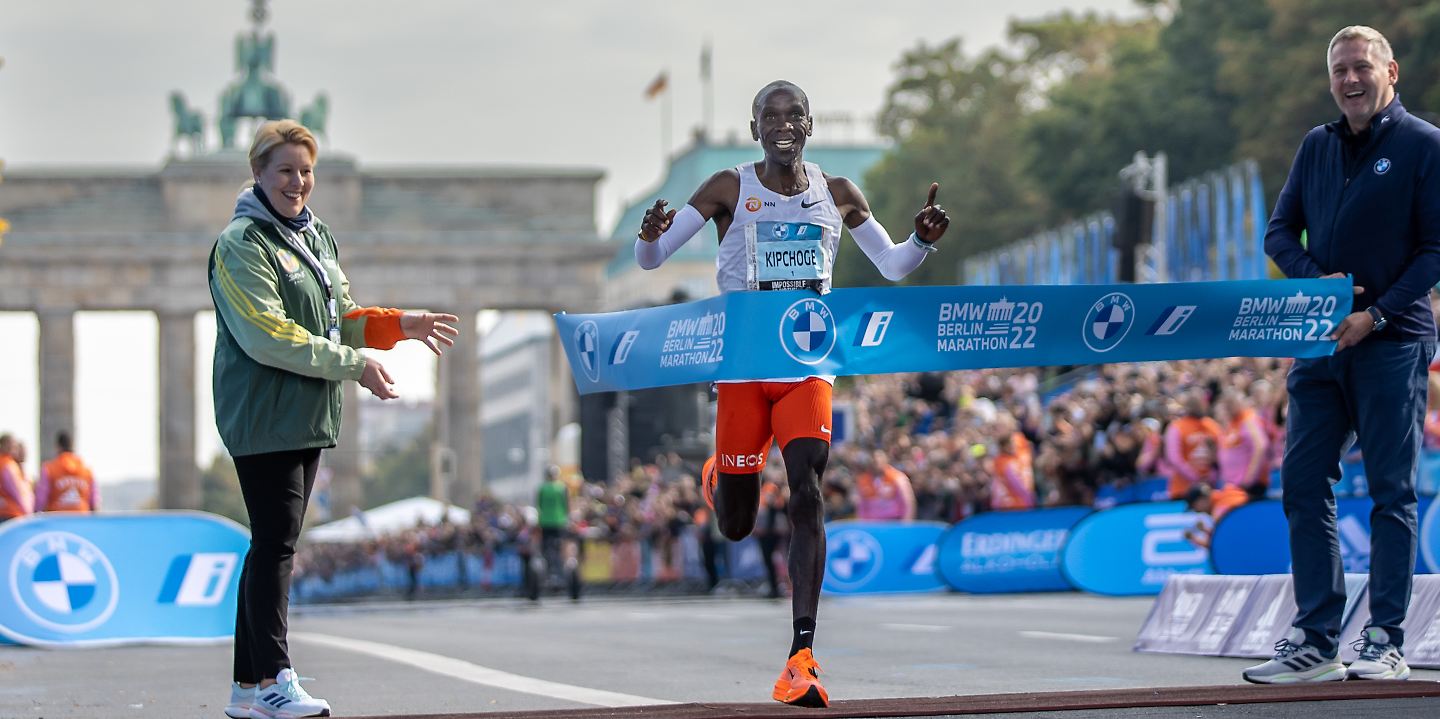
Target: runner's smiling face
x,y
782,123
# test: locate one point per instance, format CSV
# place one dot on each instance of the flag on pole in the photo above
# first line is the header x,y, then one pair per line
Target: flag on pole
x,y
658,85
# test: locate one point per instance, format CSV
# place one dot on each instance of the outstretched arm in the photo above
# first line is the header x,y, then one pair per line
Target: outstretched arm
x,y
894,261
662,233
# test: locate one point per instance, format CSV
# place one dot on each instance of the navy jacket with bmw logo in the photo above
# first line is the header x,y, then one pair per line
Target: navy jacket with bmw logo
x,y
1376,217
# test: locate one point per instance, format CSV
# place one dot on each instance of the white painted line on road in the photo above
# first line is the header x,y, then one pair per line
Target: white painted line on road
x,y
1061,636
466,671
915,627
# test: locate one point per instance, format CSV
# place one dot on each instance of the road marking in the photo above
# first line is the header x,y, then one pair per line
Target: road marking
x,y
1061,636
467,671
915,627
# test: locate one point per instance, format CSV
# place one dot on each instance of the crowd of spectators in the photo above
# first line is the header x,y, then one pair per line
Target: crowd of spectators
x,y
930,446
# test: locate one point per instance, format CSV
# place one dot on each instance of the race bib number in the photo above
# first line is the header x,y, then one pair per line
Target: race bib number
x,y
790,255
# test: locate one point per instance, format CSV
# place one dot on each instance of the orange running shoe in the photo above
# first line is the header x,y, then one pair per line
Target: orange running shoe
x,y
799,684
707,482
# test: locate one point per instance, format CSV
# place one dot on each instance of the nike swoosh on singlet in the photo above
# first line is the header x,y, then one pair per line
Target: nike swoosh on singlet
x,y
804,206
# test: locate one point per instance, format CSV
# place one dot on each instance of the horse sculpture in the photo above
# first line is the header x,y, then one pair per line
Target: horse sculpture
x,y
189,124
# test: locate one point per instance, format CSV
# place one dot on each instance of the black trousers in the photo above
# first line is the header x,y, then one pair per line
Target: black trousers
x,y
277,488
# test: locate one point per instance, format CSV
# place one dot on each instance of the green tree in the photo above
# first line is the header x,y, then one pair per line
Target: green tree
x,y
953,121
400,472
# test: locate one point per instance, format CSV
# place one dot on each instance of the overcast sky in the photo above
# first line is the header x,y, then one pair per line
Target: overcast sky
x,y
560,83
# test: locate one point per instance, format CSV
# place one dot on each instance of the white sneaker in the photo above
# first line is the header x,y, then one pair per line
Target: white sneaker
x,y
240,700
286,699
1379,659
1295,662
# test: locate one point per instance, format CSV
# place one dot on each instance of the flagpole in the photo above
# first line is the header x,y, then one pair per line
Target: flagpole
x,y
665,124
707,90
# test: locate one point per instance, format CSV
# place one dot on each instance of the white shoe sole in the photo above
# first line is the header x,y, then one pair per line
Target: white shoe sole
x,y
238,712
1389,674
1322,673
262,714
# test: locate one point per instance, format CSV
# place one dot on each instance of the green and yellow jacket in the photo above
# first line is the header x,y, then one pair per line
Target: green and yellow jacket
x,y
278,367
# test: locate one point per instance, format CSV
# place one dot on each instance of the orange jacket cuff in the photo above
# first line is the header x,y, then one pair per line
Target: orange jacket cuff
x,y
382,326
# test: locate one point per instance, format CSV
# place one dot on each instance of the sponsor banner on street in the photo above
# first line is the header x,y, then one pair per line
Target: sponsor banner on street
x,y
881,557
1008,551
78,580
1255,539
1133,549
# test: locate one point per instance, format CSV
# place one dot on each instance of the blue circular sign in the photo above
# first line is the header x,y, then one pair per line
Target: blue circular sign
x,y
807,331
587,348
1108,321
63,582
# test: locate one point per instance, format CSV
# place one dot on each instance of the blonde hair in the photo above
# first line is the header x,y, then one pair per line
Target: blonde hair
x,y
1379,46
275,133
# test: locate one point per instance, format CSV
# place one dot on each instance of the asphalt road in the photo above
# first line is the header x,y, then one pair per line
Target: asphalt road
x,y
505,655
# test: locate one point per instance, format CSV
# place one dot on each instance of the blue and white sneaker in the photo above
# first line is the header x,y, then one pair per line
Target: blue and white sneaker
x,y
1379,659
240,700
286,699
1296,662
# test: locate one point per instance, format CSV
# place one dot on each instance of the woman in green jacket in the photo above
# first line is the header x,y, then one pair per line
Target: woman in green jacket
x,y
287,335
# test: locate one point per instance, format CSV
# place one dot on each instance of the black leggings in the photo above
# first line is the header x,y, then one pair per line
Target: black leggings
x,y
277,488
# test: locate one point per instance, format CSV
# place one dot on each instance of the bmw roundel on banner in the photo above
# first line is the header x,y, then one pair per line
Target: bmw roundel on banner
x,y
1254,539
1008,551
807,331
77,580
1132,549
587,348
866,557
1108,321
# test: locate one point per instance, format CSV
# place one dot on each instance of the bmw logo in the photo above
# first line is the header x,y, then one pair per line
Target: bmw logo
x,y
63,582
1108,321
807,331
853,559
1382,165
587,348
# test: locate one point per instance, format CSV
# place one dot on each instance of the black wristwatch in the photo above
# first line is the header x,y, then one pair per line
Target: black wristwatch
x,y
1378,317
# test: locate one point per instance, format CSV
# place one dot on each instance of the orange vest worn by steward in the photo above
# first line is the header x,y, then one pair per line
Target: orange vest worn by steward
x,y
65,485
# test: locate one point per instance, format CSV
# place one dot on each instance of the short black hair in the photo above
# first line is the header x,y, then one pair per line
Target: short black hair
x,y
772,87
63,441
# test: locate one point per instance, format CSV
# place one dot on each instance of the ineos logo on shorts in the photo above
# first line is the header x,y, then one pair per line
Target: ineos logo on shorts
x,y
63,582
807,331
1108,321
742,461
587,348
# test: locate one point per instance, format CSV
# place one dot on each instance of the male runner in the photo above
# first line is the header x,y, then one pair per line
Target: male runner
x,y
778,221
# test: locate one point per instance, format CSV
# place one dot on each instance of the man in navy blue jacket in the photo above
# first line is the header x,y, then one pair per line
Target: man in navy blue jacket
x,y
1366,191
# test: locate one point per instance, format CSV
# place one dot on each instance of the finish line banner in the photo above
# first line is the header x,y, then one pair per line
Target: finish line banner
x,y
877,330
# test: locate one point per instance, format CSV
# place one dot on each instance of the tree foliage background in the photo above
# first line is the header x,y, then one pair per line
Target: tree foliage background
x,y
1029,136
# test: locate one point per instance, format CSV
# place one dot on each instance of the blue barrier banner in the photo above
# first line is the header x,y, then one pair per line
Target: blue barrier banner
x,y
1132,549
1255,539
78,580
875,330
866,557
1008,551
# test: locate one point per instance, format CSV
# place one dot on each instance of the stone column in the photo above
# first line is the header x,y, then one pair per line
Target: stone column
x,y
179,477
461,365
57,378
347,460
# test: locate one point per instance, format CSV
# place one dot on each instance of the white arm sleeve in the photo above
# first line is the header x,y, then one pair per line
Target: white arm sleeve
x,y
687,222
894,261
